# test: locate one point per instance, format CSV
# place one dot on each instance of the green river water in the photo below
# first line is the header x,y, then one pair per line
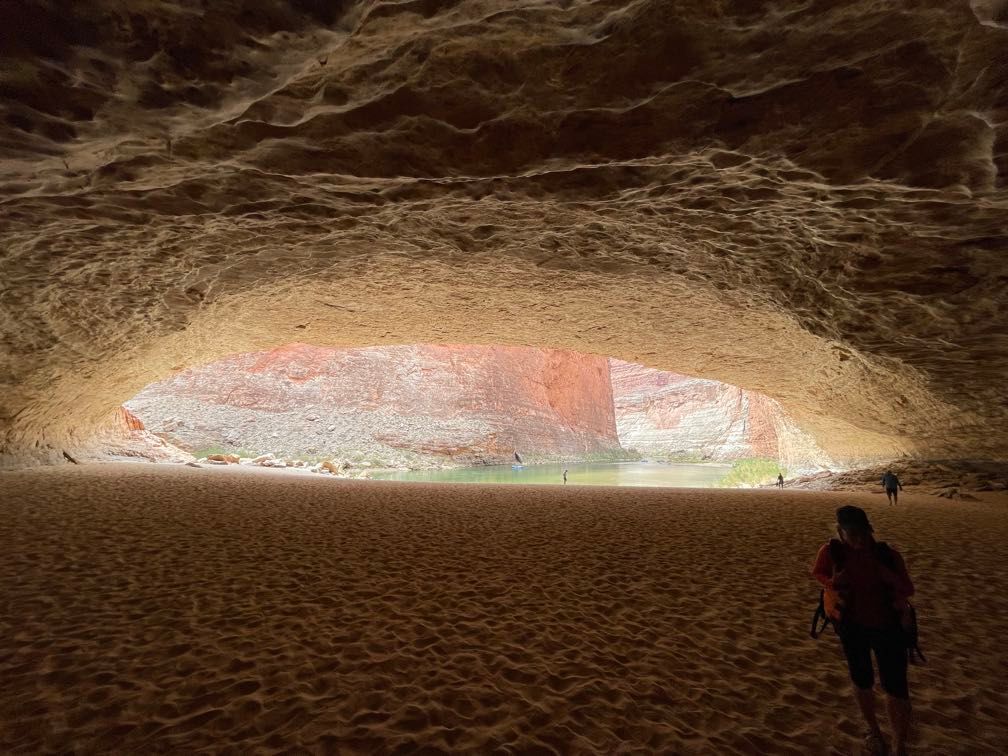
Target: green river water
x,y
602,474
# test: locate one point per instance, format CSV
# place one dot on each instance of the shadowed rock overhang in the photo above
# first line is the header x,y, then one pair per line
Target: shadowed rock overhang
x,y
808,203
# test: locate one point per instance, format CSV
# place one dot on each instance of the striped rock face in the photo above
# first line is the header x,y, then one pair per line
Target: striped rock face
x,y
466,404
668,415
807,202
400,405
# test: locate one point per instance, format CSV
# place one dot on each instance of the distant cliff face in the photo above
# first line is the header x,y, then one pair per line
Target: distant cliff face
x,y
418,405
399,405
669,415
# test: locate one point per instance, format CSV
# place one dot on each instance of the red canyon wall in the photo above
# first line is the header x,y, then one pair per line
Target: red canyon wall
x,y
397,405
127,421
663,414
416,405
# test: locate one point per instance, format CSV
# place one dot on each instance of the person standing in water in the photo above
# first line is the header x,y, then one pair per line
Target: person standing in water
x,y
780,480
565,476
871,586
891,483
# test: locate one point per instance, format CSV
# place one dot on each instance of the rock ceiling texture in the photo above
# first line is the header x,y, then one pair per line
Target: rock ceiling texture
x,y
806,199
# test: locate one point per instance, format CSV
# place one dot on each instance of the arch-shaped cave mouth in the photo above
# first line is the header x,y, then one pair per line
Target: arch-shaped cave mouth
x,y
361,412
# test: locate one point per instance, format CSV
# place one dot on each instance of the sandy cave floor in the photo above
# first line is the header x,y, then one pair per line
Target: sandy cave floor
x,y
152,608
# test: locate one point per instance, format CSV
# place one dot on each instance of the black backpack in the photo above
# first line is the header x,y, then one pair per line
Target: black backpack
x,y
820,619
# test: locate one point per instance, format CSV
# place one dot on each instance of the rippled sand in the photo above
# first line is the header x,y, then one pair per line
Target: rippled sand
x,y
151,608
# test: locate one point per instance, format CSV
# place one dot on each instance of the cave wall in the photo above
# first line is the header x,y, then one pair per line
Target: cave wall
x,y
803,201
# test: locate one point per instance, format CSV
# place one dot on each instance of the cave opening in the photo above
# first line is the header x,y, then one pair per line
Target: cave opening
x,y
466,413
833,392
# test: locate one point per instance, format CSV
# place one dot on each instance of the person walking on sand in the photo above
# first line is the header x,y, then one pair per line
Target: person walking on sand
x,y
891,483
565,476
780,480
870,586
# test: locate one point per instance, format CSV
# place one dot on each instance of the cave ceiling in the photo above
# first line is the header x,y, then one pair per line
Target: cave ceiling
x,y
807,199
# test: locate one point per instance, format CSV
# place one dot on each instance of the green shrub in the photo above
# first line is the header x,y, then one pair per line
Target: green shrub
x,y
754,471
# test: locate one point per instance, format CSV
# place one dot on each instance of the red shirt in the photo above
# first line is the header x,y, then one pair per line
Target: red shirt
x,y
868,584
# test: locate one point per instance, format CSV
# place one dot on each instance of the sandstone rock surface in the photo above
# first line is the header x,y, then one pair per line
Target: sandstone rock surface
x,y
668,415
128,421
400,405
126,438
804,200
949,479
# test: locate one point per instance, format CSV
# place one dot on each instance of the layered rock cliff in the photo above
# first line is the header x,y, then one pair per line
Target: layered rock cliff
x,y
463,404
666,415
392,405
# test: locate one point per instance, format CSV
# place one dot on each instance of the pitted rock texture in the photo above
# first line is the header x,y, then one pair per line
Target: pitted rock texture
x,y
667,415
391,405
804,200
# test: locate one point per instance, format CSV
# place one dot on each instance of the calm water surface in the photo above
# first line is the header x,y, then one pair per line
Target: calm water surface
x,y
608,474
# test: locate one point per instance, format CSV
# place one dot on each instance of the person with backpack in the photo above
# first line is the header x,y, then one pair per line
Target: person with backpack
x,y
865,589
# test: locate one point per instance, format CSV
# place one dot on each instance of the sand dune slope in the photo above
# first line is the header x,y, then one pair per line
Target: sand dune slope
x,y
149,609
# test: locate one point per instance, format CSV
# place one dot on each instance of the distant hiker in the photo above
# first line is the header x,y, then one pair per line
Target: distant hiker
x,y
780,480
866,587
891,483
565,477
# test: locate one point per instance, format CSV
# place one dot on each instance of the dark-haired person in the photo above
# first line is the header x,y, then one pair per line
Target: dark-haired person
x,y
871,583
892,486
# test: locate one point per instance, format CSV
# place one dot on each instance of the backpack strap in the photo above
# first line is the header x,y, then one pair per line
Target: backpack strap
x,y
836,553
820,620
912,640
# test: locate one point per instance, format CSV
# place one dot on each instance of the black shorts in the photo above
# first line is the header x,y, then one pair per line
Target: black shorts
x,y
890,650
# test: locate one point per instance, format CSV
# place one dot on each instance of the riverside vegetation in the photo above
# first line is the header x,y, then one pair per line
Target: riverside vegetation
x,y
751,472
